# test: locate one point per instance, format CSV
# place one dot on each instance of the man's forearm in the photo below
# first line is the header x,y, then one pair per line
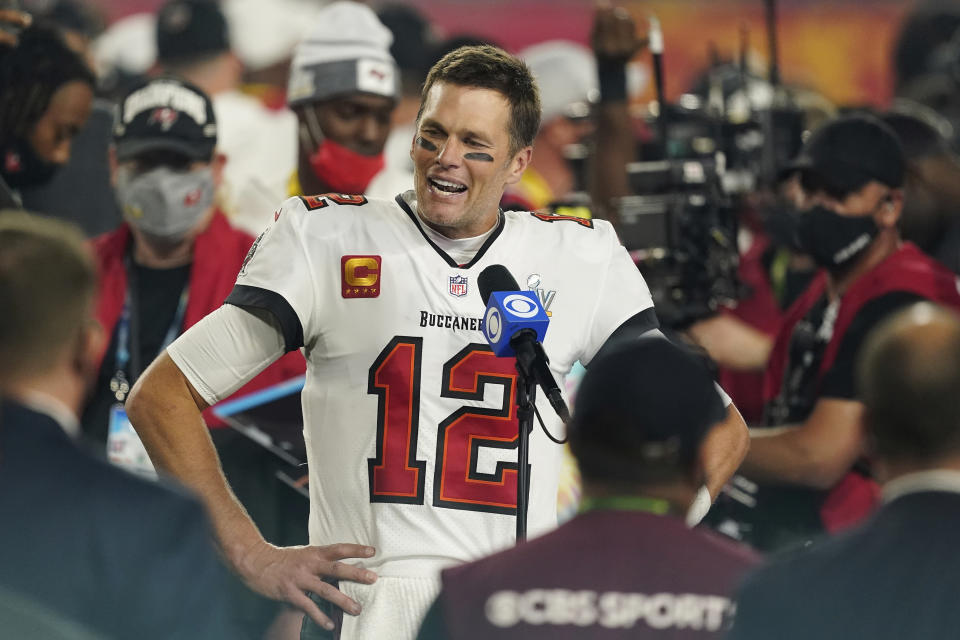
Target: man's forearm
x,y
724,449
166,413
614,41
780,455
608,181
816,453
732,343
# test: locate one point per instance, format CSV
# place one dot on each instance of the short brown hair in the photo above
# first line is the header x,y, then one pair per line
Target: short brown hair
x,y
489,67
47,284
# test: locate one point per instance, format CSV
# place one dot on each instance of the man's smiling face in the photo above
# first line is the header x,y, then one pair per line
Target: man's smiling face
x,y
463,159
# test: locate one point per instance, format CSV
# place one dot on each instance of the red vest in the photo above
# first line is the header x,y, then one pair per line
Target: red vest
x,y
906,270
761,311
217,255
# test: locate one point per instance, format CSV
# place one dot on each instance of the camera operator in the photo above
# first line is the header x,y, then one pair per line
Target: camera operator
x,y
851,173
895,577
771,271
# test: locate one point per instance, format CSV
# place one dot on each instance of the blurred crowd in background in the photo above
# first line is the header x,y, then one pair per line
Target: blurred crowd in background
x,y
170,132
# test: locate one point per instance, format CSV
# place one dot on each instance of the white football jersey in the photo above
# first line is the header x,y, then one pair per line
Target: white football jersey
x,y
409,419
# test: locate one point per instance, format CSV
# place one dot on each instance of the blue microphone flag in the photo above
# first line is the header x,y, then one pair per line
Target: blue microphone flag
x,y
509,312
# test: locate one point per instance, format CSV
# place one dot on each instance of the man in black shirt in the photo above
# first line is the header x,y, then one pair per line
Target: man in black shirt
x,y
175,258
165,173
173,261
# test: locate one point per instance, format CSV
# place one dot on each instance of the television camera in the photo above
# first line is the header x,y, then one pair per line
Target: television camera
x,y
712,150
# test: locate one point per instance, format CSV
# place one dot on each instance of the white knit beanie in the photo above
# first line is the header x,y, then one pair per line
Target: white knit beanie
x,y
566,74
348,51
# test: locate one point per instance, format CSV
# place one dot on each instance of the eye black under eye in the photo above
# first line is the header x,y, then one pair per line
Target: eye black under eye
x,y
426,144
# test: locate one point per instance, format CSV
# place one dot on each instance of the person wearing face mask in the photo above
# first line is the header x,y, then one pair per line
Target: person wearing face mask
x,y
343,87
810,466
171,262
46,90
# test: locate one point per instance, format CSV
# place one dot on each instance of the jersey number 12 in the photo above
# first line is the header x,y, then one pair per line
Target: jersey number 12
x,y
396,475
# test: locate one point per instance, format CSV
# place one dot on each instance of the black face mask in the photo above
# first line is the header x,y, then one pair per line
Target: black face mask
x,y
21,167
780,223
832,240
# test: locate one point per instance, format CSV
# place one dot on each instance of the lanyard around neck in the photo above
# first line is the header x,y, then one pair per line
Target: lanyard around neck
x,y
128,362
626,503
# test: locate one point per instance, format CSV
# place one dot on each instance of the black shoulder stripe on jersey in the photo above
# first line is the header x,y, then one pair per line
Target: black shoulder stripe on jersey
x,y
634,327
257,298
443,254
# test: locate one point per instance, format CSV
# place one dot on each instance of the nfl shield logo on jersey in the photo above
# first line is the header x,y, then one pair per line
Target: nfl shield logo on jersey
x,y
458,286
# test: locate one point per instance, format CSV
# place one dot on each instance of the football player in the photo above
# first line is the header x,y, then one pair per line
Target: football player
x,y
410,420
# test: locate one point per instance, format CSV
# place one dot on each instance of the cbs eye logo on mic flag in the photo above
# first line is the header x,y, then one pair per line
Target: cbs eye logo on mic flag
x,y
509,312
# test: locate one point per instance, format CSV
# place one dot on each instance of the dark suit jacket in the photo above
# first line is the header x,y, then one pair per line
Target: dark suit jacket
x,y
123,556
896,577
8,200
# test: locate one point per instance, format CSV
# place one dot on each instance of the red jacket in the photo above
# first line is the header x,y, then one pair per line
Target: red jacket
x,y
908,270
218,253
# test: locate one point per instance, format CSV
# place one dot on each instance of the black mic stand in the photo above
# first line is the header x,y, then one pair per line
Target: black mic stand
x,y
526,403
526,399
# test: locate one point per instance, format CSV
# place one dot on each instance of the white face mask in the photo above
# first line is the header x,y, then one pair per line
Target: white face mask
x,y
164,202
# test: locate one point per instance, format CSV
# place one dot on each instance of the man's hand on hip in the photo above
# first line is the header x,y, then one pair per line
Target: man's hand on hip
x,y
287,573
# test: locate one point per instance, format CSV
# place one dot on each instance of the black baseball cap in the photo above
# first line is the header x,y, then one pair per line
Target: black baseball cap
x,y
190,28
165,114
642,411
848,152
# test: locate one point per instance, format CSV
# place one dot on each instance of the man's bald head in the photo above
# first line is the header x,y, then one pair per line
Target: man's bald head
x,y
909,381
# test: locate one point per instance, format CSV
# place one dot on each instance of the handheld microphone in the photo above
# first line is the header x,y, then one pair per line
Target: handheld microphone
x,y
515,324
